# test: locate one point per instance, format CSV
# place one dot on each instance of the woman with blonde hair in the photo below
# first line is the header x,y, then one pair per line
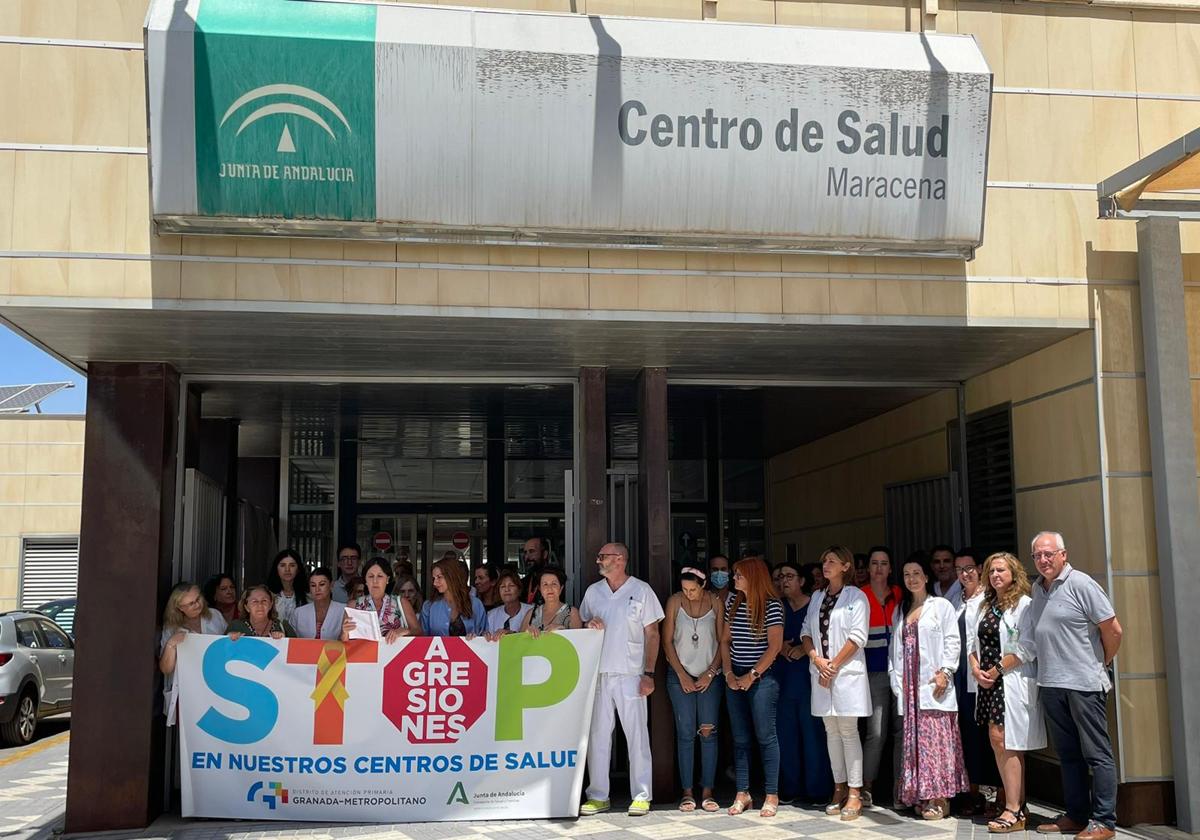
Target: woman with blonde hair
x,y
186,612
1002,665
452,610
750,640
835,631
259,616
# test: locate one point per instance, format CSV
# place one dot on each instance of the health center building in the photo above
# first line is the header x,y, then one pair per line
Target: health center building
x,y
706,276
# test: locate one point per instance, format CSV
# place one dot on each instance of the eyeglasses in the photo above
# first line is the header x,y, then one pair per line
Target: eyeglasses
x,y
603,554
187,605
967,570
1046,555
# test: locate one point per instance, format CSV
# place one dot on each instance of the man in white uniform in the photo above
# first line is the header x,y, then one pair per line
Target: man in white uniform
x,y
628,612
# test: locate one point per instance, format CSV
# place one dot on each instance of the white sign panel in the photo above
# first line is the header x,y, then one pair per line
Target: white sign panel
x,y
508,126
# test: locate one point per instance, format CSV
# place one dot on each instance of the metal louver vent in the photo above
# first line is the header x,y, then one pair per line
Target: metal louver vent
x,y
990,481
49,570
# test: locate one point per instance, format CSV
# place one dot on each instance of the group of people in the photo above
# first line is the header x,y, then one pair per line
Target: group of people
x,y
957,656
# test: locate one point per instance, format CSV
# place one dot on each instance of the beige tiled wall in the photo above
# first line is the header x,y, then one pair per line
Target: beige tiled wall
x,y
97,201
41,479
831,491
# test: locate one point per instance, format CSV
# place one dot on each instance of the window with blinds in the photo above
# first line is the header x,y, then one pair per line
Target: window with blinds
x,y
49,570
990,479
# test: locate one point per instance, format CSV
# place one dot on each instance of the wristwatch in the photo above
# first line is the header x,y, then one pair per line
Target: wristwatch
x,y
1000,668
649,674
754,673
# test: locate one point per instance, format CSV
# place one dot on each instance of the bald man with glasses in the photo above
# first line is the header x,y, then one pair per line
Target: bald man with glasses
x,y
1075,633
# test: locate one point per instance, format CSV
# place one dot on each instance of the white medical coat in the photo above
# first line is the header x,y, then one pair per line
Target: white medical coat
x,y
1024,728
938,643
850,693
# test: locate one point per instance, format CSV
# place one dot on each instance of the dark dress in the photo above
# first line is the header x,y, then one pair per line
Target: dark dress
x,y
989,702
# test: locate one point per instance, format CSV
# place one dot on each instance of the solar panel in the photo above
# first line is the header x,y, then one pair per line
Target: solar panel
x,y
20,399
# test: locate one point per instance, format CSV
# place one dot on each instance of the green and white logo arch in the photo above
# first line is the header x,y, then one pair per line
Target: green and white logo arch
x,y
286,143
285,109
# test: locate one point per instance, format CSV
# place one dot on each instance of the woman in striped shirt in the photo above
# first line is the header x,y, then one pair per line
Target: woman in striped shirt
x,y
752,638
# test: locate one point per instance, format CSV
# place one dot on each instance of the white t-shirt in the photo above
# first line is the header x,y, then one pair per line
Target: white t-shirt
x,y
952,593
498,619
625,613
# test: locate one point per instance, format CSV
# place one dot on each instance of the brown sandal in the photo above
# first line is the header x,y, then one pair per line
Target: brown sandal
x,y
1003,825
849,811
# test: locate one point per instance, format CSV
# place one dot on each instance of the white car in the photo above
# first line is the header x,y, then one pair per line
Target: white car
x,y
37,659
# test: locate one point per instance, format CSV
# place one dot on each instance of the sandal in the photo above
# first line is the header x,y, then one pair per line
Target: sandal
x,y
837,801
1007,825
935,809
739,805
687,804
709,804
851,811
769,809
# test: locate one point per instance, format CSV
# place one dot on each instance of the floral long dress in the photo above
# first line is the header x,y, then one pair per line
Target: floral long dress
x,y
933,766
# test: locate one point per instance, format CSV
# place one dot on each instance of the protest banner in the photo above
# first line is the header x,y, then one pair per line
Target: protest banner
x,y
424,729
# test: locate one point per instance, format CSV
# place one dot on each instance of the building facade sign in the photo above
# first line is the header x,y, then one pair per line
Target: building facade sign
x,y
348,119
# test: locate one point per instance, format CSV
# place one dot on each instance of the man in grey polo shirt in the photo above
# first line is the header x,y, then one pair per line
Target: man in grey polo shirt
x,y
1075,633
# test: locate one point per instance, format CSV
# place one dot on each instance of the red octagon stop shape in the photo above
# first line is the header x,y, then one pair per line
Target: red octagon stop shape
x,y
434,690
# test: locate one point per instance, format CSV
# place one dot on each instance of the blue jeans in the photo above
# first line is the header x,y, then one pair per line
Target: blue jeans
x,y
1078,723
803,754
692,711
752,717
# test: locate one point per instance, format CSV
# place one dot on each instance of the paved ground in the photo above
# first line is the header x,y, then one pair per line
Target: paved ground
x,y
33,783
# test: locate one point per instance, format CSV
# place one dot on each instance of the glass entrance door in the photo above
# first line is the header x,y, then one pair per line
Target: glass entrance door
x,y
464,536
423,539
404,537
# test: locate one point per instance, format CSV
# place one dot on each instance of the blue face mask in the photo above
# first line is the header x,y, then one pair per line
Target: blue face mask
x,y
720,578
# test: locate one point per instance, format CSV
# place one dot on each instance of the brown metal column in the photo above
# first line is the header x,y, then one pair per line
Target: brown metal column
x,y
654,538
125,545
593,469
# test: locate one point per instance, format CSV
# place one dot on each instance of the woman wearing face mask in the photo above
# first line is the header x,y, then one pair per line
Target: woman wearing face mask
x,y
510,615
396,616
1004,668
922,660
452,610
550,613
718,578
321,617
288,582
260,617
691,637
804,773
835,631
221,595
